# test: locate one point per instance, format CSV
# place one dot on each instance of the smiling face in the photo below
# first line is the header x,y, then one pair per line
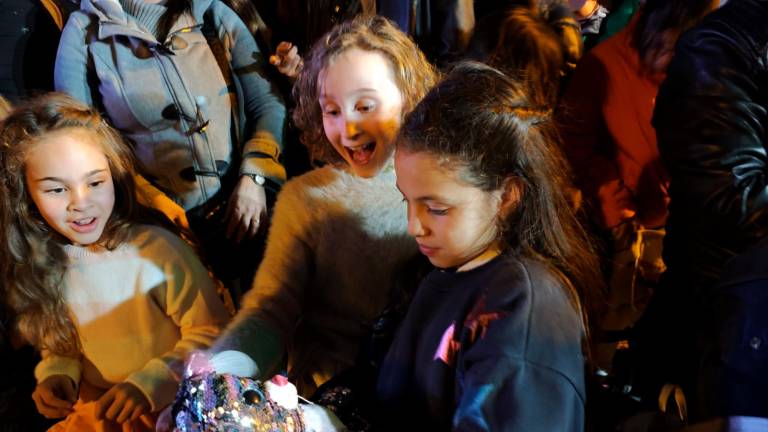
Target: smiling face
x,y
453,223
362,109
69,180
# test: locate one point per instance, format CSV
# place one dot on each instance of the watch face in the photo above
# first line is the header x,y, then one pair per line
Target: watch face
x,y
259,179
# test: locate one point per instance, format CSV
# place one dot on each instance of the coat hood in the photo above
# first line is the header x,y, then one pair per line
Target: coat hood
x,y
114,20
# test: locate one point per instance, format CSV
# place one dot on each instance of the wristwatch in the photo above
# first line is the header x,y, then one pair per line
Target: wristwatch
x,y
257,178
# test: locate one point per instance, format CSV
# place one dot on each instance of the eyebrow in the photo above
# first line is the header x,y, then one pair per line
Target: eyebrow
x,y
88,174
358,91
423,198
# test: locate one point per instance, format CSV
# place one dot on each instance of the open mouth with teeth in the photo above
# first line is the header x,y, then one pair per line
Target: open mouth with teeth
x,y
83,225
361,155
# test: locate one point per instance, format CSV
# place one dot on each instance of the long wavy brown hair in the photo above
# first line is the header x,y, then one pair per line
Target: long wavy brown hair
x,y
480,123
414,75
32,258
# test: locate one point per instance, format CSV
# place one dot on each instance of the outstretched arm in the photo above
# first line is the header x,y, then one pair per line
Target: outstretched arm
x,y
271,309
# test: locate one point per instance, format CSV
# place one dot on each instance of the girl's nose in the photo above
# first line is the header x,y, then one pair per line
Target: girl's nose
x,y
415,228
79,198
352,128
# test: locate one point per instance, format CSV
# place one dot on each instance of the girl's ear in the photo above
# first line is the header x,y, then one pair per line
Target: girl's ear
x,y
512,192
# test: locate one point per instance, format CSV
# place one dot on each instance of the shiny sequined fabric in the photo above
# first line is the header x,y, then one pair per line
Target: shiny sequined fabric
x,y
226,403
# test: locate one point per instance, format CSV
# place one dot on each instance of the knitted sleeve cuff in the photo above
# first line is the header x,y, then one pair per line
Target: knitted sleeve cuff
x,y
261,156
58,365
157,382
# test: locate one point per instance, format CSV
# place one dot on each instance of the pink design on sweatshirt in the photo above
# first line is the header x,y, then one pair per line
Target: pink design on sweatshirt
x,y
448,347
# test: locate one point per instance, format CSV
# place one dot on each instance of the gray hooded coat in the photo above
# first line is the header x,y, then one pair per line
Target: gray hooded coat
x,y
170,97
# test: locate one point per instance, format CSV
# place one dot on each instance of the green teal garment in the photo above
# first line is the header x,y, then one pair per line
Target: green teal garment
x,y
610,22
618,18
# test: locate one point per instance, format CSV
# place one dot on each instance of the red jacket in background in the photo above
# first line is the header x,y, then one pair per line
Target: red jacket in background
x,y
605,121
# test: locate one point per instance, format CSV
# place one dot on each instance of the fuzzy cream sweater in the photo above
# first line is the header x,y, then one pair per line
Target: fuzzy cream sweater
x,y
139,310
333,252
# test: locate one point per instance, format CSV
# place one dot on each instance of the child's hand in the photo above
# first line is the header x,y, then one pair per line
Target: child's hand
x,y
55,396
320,419
287,60
235,363
122,403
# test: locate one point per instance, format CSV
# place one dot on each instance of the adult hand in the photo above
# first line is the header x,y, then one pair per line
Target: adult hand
x,y
287,60
246,209
55,396
617,204
123,402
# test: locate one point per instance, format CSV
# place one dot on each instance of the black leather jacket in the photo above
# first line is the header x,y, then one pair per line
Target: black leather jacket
x,y
711,121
